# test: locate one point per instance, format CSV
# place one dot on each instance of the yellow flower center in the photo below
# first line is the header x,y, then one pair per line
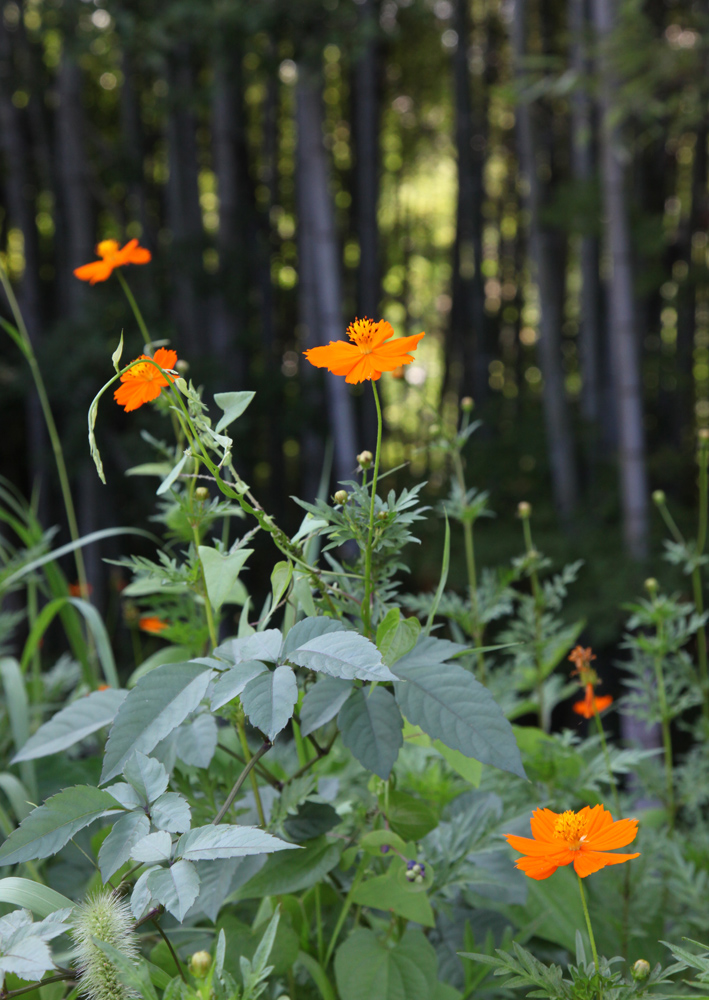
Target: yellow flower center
x,y
107,248
361,332
570,828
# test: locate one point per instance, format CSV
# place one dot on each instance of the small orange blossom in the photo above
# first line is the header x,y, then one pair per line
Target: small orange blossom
x,y
112,257
152,624
590,705
368,355
582,839
144,382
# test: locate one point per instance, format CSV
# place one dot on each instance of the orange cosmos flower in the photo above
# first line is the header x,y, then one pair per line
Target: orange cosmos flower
x,y
112,257
368,355
144,382
591,705
582,839
152,624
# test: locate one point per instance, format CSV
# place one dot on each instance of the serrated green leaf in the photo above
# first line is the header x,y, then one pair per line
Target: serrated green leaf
x,y
49,827
371,724
347,655
153,849
159,703
395,637
293,871
171,812
450,705
197,741
175,887
269,699
384,892
322,702
146,776
72,724
233,681
116,848
206,843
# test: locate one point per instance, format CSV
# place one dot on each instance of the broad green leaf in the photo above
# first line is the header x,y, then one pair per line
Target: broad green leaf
x,y
49,827
153,849
116,848
219,878
16,703
27,957
289,872
175,887
221,572
72,724
322,702
554,906
233,404
366,969
466,767
147,776
171,812
197,741
395,637
17,795
32,896
159,703
311,820
281,576
371,724
373,842
307,629
450,705
269,699
206,843
429,650
411,818
385,892
141,897
264,645
347,655
233,681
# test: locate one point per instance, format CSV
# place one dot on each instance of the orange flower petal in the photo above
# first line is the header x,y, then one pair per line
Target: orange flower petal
x,y
400,347
618,834
367,356
588,862
165,358
98,270
112,257
543,822
537,848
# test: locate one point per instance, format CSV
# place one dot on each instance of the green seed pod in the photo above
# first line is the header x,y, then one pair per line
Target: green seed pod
x,y
107,918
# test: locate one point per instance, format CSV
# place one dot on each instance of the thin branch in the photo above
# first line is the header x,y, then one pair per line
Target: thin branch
x,y
172,951
62,977
240,781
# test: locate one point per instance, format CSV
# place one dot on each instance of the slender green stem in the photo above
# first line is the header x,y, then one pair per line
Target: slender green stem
x,y
166,939
318,924
31,358
538,608
592,939
607,756
62,977
248,770
240,781
478,628
345,910
134,306
366,603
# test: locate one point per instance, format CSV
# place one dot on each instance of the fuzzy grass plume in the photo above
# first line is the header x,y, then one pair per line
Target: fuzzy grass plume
x,y
107,918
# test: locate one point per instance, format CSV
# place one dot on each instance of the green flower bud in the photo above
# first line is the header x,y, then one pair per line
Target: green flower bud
x,y
341,497
201,494
641,969
467,404
651,585
200,964
703,435
365,459
382,515
658,497
107,918
182,366
524,510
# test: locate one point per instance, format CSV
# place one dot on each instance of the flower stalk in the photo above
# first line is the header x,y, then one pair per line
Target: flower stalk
x,y
367,601
592,939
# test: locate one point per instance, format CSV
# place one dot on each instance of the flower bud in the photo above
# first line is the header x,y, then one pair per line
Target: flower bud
x,y
365,459
200,964
658,497
651,585
641,969
524,510
201,494
341,497
382,515
182,366
703,436
467,404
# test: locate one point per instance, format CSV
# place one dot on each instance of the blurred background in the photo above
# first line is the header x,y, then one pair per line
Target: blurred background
x,y
525,180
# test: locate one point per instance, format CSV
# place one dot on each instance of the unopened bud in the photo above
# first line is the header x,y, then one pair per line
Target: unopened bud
x,y
382,515
365,459
200,964
658,497
524,509
201,494
467,404
641,969
341,497
651,585
703,435
182,367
